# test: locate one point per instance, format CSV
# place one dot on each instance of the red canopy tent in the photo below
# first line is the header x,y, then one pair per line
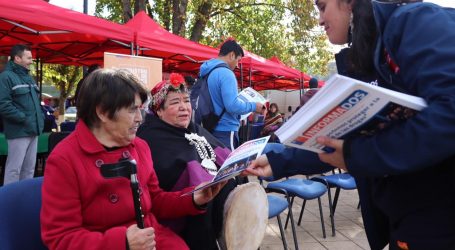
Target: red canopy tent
x,y
182,55
59,35
178,53
265,74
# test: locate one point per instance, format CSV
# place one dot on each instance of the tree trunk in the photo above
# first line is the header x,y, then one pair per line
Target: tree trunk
x,y
201,20
127,14
61,101
179,16
166,18
139,5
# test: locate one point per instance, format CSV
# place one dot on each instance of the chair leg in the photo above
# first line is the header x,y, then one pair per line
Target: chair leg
x,y
322,218
335,199
289,214
332,212
293,227
301,213
283,237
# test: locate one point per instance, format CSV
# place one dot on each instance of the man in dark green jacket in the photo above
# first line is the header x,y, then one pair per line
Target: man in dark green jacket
x,y
23,119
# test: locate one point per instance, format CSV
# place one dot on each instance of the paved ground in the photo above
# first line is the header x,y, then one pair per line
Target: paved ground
x,y
350,234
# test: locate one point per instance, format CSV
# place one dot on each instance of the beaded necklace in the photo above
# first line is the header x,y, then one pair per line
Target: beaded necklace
x,y
205,152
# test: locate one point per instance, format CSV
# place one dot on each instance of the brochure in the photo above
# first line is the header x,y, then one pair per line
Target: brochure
x,y
250,95
237,161
346,107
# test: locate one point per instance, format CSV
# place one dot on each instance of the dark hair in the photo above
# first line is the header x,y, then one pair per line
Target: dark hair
x,y
18,50
231,46
313,83
92,68
274,105
363,36
189,80
109,89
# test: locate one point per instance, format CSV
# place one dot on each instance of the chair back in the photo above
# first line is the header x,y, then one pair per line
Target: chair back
x,y
55,138
67,126
20,205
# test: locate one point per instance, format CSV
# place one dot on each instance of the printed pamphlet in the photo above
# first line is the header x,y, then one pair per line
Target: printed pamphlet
x,y
237,161
346,107
250,95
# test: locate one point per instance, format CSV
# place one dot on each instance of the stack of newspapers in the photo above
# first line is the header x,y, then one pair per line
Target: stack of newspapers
x,y
346,107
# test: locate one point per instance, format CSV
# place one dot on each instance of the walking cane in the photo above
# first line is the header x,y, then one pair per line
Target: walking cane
x,y
126,168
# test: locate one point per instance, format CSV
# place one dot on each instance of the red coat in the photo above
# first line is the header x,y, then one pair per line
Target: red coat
x,y
82,210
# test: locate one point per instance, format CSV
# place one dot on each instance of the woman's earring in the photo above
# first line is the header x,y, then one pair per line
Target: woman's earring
x,y
350,30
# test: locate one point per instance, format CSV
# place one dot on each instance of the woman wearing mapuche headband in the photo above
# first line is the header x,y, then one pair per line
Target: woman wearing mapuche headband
x,y
185,154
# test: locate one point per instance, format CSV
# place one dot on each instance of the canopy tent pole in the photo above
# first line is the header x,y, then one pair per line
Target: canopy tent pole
x,y
302,85
38,77
41,79
241,76
250,75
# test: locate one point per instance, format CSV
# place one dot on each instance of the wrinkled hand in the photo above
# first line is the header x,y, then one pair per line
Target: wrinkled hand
x,y
203,196
141,239
259,167
336,158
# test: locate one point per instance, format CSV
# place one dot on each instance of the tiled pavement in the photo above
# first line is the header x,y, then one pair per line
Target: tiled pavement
x,y
350,234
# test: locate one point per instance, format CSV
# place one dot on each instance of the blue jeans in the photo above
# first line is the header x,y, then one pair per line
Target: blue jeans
x,y
229,138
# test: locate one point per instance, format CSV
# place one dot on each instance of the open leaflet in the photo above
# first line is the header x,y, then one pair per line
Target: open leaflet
x,y
237,161
250,95
346,107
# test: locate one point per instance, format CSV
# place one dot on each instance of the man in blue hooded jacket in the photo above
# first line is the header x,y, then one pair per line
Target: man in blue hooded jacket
x,y
224,93
22,116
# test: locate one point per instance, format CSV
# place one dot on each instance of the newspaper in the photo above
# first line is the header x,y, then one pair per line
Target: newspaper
x,y
237,161
346,107
250,95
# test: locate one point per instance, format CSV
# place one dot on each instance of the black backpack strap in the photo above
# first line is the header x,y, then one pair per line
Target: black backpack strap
x,y
221,65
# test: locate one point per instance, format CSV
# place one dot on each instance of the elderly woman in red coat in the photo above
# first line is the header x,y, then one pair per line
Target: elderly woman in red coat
x,y
83,210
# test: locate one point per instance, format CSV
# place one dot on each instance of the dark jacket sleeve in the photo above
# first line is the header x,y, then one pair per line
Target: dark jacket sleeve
x,y
294,161
7,109
421,42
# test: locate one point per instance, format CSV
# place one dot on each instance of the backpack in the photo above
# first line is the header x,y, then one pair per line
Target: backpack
x,y
201,102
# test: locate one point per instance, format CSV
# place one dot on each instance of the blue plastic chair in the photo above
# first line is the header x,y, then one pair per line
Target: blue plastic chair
x,y
338,181
67,126
20,205
276,206
302,188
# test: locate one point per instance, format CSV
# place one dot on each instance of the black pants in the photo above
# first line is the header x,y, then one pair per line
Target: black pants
x,y
202,231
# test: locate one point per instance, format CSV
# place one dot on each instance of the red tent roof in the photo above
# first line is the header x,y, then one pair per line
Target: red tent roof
x,y
59,35
182,55
269,74
156,41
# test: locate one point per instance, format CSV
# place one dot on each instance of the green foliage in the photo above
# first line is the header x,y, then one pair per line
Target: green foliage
x,y
287,29
64,77
113,9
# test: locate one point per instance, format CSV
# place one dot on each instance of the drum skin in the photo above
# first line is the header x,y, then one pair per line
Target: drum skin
x,y
245,217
